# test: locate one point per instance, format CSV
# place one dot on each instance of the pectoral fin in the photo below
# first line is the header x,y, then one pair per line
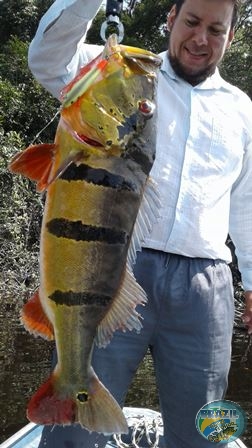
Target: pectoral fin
x,y
35,162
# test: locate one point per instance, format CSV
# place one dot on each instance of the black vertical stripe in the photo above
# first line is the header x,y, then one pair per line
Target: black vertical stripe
x,y
96,176
71,298
76,230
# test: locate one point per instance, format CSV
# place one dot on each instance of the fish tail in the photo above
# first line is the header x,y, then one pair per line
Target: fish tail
x,y
48,407
95,409
98,411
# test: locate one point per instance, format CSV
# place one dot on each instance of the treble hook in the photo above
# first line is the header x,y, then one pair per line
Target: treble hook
x,y
113,12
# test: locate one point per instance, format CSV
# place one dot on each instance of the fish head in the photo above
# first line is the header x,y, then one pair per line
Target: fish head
x,y
109,102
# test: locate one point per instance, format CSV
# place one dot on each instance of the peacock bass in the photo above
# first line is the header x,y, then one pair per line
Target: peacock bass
x,y
100,205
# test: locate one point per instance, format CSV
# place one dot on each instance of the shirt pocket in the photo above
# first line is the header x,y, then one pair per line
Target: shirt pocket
x,y
227,146
219,161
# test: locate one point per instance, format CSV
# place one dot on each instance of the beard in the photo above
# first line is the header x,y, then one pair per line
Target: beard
x,y
191,78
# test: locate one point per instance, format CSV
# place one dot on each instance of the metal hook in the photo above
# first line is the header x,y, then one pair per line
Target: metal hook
x,y
113,11
112,21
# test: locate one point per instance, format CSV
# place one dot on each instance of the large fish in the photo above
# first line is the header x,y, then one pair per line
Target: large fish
x,y
99,207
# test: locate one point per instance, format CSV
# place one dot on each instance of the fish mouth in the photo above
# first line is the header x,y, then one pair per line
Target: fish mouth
x,y
81,138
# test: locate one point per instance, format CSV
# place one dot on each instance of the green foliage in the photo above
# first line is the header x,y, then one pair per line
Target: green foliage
x,y
147,26
25,108
25,105
11,103
17,17
20,18
237,64
20,217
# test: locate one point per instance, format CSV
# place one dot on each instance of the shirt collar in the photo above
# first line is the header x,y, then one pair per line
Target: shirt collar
x,y
213,82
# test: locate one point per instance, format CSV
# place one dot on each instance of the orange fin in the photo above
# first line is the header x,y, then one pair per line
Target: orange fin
x,y
95,409
35,320
35,162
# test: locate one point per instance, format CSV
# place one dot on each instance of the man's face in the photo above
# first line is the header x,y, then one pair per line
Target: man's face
x,y
200,34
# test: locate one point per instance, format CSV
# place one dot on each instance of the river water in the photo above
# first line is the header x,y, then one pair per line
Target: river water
x,y
25,363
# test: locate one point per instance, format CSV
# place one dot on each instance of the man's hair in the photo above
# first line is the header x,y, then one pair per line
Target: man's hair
x,y
237,4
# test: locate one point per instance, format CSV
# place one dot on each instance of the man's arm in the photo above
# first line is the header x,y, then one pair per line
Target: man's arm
x,y
241,217
58,51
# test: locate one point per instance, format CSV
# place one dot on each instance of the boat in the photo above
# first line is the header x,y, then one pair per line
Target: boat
x,y
146,430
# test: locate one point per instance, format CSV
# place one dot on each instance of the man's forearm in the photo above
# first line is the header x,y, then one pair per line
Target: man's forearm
x,y
56,53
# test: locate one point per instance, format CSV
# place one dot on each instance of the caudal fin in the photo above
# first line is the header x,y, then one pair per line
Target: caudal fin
x,y
46,407
96,409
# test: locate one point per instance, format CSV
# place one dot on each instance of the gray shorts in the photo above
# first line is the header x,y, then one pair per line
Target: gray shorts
x,y
188,324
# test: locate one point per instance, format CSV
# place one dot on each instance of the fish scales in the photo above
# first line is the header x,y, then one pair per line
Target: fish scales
x,y
106,236
100,205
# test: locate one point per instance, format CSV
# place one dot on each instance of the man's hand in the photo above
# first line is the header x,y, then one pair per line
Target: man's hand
x,y
247,315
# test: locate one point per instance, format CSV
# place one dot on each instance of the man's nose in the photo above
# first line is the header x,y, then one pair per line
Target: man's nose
x,y
201,36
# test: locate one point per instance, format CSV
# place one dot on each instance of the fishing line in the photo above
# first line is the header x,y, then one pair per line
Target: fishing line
x,y
46,126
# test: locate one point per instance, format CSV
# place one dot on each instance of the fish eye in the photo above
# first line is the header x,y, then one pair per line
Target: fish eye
x,y
146,107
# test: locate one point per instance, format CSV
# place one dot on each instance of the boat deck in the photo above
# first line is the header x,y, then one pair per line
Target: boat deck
x,y
138,418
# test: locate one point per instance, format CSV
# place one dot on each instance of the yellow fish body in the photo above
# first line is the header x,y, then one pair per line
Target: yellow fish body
x,y
99,207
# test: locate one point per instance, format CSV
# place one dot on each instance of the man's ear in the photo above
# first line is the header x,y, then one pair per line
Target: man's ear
x,y
171,18
230,38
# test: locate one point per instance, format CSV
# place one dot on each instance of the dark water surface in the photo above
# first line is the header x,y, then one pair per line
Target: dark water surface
x,y
25,363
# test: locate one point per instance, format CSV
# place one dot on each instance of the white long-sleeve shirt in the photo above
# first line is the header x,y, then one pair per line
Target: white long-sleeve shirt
x,y
203,164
